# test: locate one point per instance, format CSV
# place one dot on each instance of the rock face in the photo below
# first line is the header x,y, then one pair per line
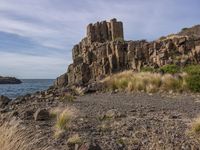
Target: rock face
x,y
9,80
103,52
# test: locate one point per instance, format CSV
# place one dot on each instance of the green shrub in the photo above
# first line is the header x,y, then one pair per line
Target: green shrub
x,y
172,69
147,69
192,69
193,79
193,82
68,98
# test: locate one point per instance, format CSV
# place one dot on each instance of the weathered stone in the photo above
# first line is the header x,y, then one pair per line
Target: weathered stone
x,y
4,101
41,114
113,113
27,115
90,146
62,80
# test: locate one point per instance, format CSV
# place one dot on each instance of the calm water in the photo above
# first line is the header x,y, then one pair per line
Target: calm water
x,y
28,86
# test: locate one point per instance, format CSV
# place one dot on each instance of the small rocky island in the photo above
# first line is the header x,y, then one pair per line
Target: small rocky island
x,y
9,80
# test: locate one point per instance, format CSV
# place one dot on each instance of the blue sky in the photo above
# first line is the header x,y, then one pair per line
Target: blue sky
x,y
36,36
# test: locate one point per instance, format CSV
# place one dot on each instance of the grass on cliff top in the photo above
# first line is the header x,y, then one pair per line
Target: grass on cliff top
x,y
145,81
167,78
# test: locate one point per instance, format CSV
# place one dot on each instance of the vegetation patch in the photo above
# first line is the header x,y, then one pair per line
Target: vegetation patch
x,y
75,139
148,80
148,69
172,69
193,78
63,120
144,81
195,128
192,69
68,98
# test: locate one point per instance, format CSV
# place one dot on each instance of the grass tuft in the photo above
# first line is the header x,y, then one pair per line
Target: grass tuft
x,y
75,139
196,126
63,120
68,98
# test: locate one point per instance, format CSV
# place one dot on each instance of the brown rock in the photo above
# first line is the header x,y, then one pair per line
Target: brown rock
x,y
41,114
4,101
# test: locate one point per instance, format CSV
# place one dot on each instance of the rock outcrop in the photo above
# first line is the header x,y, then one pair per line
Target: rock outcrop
x,y
104,51
9,80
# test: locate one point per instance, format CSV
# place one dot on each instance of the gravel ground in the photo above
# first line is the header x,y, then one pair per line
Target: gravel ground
x,y
117,121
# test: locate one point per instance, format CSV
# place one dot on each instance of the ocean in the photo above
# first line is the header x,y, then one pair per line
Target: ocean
x,y
28,86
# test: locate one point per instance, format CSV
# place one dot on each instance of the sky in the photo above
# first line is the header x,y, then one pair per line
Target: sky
x,y
37,36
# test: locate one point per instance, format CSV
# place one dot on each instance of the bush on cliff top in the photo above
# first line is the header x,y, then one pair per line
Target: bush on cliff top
x,y
172,69
187,78
193,79
192,69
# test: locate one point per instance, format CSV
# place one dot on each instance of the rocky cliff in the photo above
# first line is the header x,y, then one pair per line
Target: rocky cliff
x,y
104,51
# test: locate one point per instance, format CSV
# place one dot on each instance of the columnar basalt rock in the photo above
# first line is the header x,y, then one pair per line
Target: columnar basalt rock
x,y
105,31
103,51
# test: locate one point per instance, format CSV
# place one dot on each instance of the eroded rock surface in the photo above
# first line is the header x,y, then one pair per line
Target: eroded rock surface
x,y
104,51
4,101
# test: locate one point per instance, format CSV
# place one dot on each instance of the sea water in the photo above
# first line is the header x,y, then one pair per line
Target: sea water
x,y
27,86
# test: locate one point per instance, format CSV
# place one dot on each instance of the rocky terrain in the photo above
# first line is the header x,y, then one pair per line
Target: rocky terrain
x,y
103,120
9,80
104,51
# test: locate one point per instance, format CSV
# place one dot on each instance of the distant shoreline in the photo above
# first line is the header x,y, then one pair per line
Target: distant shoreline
x,y
9,80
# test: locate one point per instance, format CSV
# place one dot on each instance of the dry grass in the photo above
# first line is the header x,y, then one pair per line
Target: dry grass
x,y
75,139
79,91
144,81
195,127
13,136
64,117
68,98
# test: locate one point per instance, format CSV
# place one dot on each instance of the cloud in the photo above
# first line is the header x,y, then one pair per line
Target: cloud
x,y
58,23
52,27
29,66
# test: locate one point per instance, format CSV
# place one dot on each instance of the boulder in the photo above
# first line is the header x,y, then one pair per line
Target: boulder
x,y
41,115
4,101
113,113
62,80
90,146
